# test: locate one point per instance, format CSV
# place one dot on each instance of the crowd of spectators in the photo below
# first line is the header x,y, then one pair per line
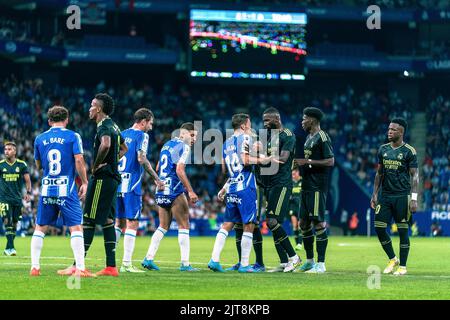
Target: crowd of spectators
x,y
436,167
356,121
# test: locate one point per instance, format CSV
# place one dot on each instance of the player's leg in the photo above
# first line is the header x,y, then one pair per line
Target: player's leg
x,y
402,217
104,206
219,243
47,214
89,212
248,212
257,235
165,217
321,231
239,229
180,209
72,217
383,215
37,242
121,221
306,227
133,205
278,204
296,230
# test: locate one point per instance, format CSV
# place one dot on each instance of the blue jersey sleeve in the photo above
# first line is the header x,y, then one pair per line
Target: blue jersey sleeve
x,y
142,144
37,155
77,147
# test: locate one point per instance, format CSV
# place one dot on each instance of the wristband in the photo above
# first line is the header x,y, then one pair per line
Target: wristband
x,y
414,196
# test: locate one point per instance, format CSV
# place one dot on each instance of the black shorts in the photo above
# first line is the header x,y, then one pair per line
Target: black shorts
x,y
294,208
313,205
396,208
277,202
101,199
11,212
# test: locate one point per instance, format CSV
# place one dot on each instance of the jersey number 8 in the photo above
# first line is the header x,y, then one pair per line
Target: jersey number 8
x,y
54,162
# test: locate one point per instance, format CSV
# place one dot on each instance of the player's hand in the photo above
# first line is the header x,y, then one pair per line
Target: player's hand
x,y
413,205
373,201
160,185
193,196
27,197
82,191
221,194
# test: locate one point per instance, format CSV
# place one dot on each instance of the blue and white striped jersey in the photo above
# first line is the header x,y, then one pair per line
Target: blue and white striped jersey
x,y
129,167
173,152
241,177
55,149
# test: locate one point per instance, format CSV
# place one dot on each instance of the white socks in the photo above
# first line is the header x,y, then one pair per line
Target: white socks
x,y
128,246
118,234
37,241
154,243
183,241
221,237
246,247
77,244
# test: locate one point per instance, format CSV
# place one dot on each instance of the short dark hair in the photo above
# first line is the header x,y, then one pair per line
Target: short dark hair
x,y
271,110
57,114
400,121
11,143
313,112
107,103
143,114
188,126
239,119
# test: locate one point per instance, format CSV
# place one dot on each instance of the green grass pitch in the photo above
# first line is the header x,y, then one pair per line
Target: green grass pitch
x,y
348,259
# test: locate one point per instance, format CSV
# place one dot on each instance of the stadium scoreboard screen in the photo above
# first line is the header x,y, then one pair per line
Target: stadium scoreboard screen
x,y
247,45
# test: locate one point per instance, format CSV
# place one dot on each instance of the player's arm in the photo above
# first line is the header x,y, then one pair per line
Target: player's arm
x,y
27,179
123,147
316,163
143,161
224,190
181,173
80,165
327,156
103,149
38,164
376,186
414,173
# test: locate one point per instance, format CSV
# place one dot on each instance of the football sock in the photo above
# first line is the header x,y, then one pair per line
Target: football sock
x,y
109,236
183,241
37,242
88,235
308,242
257,245
403,229
128,246
221,237
158,235
385,240
246,245
77,244
10,235
280,236
297,237
321,243
282,255
118,234
239,229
